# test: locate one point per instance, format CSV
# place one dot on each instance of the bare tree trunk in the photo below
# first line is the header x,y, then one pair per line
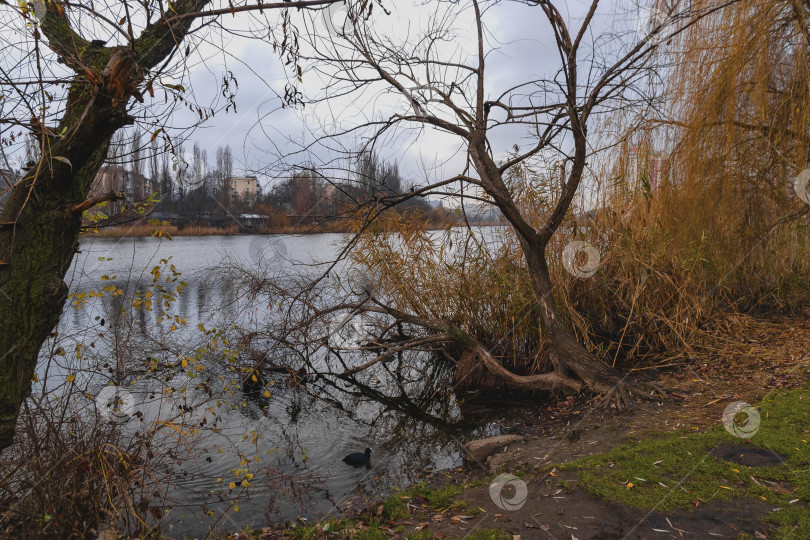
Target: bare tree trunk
x,y
39,238
568,355
40,224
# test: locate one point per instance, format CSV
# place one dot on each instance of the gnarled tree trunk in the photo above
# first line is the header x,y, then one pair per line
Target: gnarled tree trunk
x,y
40,223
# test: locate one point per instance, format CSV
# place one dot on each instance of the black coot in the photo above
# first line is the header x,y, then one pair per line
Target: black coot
x,y
358,459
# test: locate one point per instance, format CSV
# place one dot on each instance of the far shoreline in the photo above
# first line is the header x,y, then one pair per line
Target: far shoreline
x,y
170,231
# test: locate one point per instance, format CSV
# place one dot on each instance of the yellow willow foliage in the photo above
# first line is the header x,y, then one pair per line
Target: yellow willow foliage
x,y
724,221
722,230
740,96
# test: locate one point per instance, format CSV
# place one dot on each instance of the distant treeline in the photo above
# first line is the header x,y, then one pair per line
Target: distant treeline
x,y
193,192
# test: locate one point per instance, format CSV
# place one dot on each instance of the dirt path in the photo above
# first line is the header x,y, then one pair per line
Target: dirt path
x,y
766,356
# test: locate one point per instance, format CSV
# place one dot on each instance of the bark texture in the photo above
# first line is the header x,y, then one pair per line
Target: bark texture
x,y
40,223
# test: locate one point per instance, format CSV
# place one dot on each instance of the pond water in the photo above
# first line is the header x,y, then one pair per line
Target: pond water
x,y
295,435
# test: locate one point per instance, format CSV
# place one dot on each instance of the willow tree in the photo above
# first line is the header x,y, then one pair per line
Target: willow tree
x,y
735,130
65,86
595,70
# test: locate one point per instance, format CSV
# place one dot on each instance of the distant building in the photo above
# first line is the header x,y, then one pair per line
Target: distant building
x,y
244,188
480,212
7,179
116,178
652,167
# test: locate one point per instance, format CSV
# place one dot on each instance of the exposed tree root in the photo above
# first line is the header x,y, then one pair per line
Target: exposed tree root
x,y
543,381
622,392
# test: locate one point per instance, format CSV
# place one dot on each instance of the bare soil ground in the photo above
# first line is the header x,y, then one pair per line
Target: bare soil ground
x,y
755,357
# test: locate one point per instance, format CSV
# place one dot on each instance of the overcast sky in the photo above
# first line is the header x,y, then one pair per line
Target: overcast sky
x,y
262,134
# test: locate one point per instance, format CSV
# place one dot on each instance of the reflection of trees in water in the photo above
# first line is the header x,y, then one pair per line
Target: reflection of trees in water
x,y
201,297
400,399
183,304
401,406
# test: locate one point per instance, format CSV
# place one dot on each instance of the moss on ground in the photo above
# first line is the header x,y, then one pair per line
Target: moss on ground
x,y
354,528
663,471
677,470
395,507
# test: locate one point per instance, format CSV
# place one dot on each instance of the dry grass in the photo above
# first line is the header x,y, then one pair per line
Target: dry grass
x,y
669,273
724,233
146,229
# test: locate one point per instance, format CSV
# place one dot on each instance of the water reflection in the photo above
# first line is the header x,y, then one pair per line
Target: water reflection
x,y
402,408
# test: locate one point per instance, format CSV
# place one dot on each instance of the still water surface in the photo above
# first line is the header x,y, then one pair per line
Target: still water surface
x,y
301,435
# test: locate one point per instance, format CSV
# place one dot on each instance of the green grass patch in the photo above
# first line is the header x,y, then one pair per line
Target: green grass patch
x,y
489,534
424,534
309,532
395,507
676,470
440,497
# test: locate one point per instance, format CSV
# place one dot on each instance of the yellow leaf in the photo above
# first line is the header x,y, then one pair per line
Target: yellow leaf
x,y
266,393
236,508
71,378
726,487
184,362
629,485
36,377
231,486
